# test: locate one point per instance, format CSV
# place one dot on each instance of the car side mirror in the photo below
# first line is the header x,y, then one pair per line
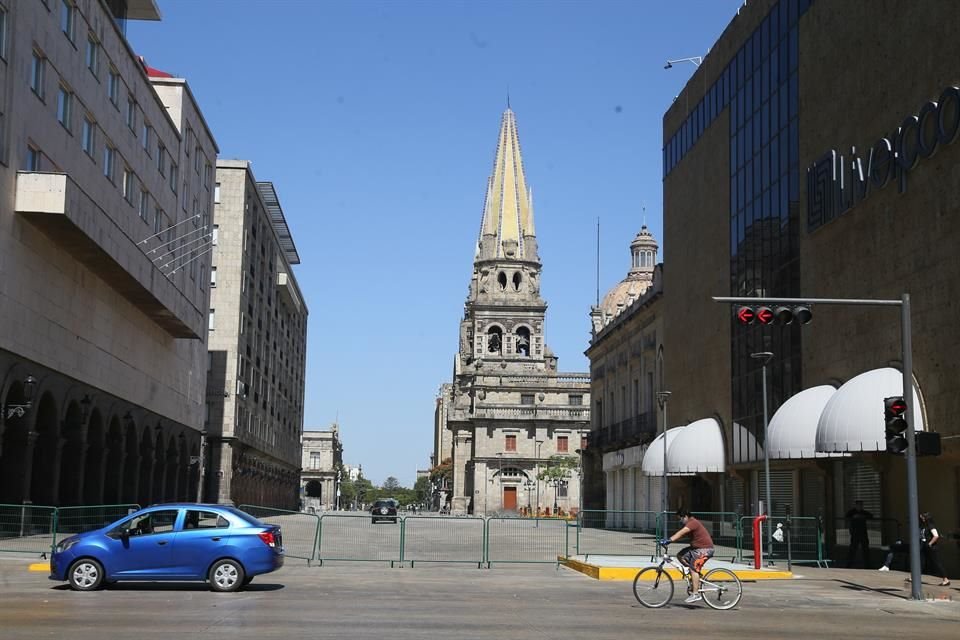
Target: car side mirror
x,y
125,535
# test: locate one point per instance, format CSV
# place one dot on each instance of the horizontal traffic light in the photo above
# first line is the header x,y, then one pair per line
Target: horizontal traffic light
x,y
799,314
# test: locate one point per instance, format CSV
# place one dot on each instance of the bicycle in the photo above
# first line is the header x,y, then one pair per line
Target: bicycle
x,y
653,586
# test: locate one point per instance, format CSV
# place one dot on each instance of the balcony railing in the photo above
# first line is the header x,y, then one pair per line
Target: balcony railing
x,y
627,433
532,412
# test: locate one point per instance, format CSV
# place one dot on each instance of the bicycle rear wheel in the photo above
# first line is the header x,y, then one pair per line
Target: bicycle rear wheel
x,y
653,587
721,589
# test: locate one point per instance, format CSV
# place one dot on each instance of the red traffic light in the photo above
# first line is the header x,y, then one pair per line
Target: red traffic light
x,y
781,315
895,406
745,315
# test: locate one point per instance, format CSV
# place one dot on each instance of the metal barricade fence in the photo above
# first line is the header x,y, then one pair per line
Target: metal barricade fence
x,y
606,532
517,540
354,537
72,520
298,530
442,539
805,540
27,528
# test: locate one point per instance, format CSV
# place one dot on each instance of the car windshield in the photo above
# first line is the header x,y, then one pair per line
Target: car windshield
x,y
383,503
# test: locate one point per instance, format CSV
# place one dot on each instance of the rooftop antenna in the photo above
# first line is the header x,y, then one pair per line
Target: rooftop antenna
x,y
598,261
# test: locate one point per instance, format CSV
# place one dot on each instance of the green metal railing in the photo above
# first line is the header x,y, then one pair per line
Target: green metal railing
x,y
805,540
603,532
443,539
300,531
26,528
525,540
355,537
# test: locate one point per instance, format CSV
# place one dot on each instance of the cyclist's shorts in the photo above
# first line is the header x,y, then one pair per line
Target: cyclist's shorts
x,y
696,558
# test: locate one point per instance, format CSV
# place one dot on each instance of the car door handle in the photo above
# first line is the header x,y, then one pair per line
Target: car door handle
x,y
161,542
215,538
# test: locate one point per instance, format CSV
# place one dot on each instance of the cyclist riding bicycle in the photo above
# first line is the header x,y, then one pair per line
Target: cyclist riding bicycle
x,y
695,555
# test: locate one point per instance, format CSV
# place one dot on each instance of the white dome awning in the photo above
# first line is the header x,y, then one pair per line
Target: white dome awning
x,y
652,464
852,419
697,449
793,428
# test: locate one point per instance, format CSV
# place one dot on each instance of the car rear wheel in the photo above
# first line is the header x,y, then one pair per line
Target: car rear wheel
x,y
226,575
85,574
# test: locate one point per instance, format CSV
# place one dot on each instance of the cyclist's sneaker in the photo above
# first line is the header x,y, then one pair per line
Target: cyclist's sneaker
x,y
884,568
693,598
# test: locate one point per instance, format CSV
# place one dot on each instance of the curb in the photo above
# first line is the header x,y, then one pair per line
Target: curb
x,y
39,566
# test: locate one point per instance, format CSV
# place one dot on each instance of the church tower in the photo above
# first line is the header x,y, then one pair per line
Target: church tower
x,y
509,415
503,323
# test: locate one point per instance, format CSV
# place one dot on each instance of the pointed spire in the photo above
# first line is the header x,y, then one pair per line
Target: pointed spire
x,y
507,229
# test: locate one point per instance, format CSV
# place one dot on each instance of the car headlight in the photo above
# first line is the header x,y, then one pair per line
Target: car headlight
x,y
65,544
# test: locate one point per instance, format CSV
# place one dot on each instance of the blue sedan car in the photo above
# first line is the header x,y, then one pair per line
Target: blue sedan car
x,y
219,544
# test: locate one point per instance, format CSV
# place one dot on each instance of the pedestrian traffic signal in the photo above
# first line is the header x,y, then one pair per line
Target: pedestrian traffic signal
x,y
782,315
895,421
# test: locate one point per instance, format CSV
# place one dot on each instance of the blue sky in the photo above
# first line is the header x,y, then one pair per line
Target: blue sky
x,y
377,123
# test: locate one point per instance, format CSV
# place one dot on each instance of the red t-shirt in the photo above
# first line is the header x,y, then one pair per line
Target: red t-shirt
x,y
701,539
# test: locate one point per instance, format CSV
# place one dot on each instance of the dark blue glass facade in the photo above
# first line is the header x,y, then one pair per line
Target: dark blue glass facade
x,y
759,88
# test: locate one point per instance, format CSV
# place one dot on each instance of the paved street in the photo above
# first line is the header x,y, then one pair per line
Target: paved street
x,y
365,600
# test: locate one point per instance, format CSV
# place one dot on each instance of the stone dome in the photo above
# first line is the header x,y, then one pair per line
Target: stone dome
x,y
643,254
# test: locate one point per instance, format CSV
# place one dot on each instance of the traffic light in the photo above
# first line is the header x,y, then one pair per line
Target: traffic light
x,y
782,315
895,422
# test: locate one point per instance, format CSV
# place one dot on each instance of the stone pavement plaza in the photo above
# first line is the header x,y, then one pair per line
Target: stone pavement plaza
x,y
365,600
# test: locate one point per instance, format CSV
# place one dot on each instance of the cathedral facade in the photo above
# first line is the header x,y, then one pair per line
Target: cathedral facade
x,y
516,426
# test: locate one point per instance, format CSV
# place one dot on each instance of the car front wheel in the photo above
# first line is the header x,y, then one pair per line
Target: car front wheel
x,y
226,575
85,574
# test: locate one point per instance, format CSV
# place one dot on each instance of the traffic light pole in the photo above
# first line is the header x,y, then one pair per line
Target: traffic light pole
x,y
913,501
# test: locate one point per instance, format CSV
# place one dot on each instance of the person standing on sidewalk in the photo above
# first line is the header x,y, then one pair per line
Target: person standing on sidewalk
x,y
857,523
929,551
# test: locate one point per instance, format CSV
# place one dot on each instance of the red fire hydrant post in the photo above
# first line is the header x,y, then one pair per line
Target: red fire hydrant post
x,y
757,541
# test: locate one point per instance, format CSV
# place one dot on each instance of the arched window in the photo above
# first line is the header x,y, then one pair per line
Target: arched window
x,y
517,279
502,281
523,341
495,339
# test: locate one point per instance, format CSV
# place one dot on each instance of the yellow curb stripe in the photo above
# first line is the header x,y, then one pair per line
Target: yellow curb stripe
x,y
40,566
629,573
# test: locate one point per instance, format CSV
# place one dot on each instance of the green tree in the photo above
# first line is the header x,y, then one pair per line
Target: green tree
x,y
366,493
557,468
391,484
423,489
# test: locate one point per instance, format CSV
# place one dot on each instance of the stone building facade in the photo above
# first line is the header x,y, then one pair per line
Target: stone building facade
x,y
106,165
321,463
624,380
808,158
258,342
508,409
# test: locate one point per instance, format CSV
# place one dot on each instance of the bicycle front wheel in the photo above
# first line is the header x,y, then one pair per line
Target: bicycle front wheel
x,y
721,589
653,587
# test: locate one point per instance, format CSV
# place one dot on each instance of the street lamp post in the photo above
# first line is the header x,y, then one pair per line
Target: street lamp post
x,y
580,481
662,397
537,474
764,357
